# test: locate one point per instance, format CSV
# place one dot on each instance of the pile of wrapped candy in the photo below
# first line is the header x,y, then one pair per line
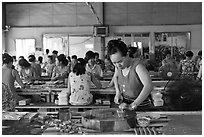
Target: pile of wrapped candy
x,y
70,126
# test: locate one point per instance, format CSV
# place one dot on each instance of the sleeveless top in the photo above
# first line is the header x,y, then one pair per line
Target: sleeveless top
x,y
9,95
8,78
130,85
80,89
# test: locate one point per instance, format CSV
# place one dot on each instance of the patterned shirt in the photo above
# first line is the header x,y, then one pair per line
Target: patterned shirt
x,y
26,73
49,69
61,72
96,70
80,89
8,99
187,67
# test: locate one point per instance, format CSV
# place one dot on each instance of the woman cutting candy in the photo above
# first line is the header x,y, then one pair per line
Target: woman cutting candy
x,y
131,79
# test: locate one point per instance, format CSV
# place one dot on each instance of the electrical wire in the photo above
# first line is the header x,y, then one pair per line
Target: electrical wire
x,y
93,11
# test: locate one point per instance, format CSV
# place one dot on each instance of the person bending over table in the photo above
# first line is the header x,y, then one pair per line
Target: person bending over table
x,y
79,84
131,79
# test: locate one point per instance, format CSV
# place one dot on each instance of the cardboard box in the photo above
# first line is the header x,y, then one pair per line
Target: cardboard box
x,y
24,102
106,102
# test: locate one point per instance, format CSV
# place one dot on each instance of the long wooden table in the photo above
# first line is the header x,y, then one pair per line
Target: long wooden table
x,y
158,85
57,90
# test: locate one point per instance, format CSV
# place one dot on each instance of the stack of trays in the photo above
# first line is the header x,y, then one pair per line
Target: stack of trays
x,y
62,96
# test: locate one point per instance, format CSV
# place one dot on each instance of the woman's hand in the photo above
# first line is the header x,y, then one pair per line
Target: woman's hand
x,y
123,106
108,86
132,106
118,98
89,73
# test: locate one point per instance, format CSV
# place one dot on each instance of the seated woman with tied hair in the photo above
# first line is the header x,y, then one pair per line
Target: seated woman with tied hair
x,y
61,70
187,66
49,66
27,72
79,83
91,65
35,65
9,76
169,68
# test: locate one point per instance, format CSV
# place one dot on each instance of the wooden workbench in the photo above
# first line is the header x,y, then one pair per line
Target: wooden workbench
x,y
158,85
179,123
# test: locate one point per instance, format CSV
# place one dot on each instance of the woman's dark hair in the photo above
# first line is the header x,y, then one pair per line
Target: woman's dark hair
x,y
55,52
62,58
31,58
40,59
167,52
79,68
132,51
96,54
89,55
47,51
189,54
24,63
7,58
74,56
200,53
82,61
69,58
14,58
117,46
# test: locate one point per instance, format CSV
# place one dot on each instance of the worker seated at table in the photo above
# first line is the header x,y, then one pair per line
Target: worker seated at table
x,y
99,61
131,79
27,72
60,71
91,66
109,67
49,67
79,82
187,66
36,66
72,63
169,68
